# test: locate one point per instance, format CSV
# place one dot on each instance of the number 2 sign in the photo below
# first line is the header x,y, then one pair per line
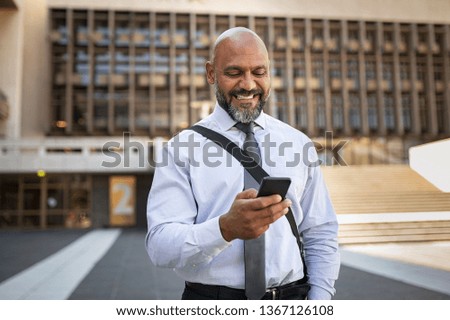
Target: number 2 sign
x,y
122,200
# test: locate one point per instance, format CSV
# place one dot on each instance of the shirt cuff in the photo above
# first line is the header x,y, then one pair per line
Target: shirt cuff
x,y
208,237
318,293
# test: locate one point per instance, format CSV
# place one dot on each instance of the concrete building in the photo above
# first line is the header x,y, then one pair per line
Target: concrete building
x,y
89,89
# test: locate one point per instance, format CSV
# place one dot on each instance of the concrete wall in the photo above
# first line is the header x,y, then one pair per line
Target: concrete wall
x,y
431,162
426,11
11,49
24,68
36,66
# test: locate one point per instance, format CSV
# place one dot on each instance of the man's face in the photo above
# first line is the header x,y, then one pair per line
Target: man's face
x,y
240,75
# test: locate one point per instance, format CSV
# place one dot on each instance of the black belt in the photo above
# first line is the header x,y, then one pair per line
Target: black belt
x,y
294,290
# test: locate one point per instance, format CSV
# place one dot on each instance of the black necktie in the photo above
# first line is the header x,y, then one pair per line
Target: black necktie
x,y
254,249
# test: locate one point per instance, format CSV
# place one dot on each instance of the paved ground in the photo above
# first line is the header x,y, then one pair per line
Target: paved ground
x,y
124,271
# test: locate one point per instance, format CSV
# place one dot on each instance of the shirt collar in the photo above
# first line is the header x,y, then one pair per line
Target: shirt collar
x,y
225,122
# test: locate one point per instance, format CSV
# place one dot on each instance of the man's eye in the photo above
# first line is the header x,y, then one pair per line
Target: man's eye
x,y
233,73
260,72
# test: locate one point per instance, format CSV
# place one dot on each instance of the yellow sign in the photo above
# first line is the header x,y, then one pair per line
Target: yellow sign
x,y
122,201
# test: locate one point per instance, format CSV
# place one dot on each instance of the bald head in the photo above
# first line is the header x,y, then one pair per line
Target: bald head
x,y
238,35
239,71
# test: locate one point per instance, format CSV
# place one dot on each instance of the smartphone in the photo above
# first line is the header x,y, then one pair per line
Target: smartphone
x,y
274,185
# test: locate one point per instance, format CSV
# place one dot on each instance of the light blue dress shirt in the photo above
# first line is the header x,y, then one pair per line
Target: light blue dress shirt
x,y
196,182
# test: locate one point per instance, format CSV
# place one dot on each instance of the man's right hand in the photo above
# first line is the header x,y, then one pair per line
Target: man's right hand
x,y
249,216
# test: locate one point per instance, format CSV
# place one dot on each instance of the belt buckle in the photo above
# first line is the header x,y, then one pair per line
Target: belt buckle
x,y
273,292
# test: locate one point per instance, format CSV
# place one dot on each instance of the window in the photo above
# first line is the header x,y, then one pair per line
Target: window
x,y
389,113
301,113
372,111
353,72
319,107
281,107
278,70
68,201
404,70
441,115
299,66
423,113
262,29
279,66
421,70
317,72
298,35
122,31
371,36
202,40
421,74
353,37
334,66
438,68
222,24
162,107
317,36
101,109
371,73
388,75
404,44
280,36
181,36
439,40
335,37
141,30
422,37
355,112
406,112
162,31
338,111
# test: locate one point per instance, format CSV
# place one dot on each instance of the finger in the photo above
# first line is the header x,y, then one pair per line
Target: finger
x,y
263,202
274,212
281,206
247,194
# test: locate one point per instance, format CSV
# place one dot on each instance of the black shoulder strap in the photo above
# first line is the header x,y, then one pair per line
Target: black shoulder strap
x,y
255,170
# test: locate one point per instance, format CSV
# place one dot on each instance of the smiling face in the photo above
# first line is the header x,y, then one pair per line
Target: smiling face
x,y
240,74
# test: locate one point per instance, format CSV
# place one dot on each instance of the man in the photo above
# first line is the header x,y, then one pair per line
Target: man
x,y
198,216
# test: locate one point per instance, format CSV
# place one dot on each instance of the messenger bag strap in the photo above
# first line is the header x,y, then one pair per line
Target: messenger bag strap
x,y
255,170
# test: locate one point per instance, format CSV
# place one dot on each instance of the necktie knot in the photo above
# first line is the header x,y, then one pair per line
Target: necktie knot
x,y
245,127
250,144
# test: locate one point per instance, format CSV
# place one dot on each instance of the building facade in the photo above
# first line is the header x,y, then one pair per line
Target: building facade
x,y
89,83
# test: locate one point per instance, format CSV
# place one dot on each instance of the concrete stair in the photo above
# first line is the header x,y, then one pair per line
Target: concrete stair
x,y
379,190
394,232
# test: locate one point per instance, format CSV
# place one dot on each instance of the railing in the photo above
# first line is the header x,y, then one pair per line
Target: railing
x,y
109,154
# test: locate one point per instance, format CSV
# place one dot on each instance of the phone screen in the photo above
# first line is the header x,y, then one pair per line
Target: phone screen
x,y
274,185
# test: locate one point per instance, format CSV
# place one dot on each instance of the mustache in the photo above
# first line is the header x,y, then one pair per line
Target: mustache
x,y
243,92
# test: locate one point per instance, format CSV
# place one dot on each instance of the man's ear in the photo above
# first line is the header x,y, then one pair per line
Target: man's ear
x,y
210,76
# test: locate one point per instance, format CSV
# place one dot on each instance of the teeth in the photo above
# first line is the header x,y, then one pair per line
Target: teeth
x,y
244,97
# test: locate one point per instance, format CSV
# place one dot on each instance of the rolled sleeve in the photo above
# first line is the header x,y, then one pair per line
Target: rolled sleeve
x,y
319,229
204,242
318,293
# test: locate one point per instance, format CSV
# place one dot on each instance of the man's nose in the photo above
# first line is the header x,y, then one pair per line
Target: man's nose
x,y
247,82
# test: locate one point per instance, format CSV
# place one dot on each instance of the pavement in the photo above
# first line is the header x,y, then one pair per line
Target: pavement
x,y
112,264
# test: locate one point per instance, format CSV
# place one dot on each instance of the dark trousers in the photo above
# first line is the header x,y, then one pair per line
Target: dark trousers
x,y
297,290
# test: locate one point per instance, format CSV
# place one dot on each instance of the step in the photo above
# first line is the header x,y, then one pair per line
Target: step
x,y
396,238
396,225
393,232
